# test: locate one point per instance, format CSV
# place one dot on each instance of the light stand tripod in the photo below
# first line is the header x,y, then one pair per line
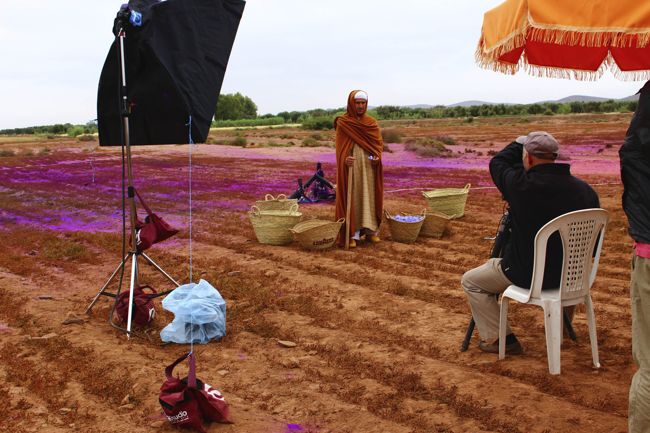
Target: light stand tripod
x,y
133,254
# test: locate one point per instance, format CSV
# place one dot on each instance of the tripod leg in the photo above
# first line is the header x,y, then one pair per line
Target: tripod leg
x,y
161,270
468,335
569,327
134,273
101,291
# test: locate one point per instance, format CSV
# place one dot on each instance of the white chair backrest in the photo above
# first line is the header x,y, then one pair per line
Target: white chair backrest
x,y
579,230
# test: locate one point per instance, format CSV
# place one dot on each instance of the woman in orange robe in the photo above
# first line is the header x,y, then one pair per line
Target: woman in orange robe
x,y
359,145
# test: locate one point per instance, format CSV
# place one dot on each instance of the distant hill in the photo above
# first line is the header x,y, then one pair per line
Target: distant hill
x,y
579,98
470,103
572,98
631,98
425,106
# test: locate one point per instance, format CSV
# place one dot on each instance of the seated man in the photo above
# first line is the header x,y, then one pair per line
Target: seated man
x,y
537,190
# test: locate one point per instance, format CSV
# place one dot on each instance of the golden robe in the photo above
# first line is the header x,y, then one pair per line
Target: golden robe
x,y
359,137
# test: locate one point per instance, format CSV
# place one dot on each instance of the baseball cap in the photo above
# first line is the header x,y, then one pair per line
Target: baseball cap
x,y
539,143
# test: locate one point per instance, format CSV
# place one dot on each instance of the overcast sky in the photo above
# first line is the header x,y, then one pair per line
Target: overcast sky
x,y
288,55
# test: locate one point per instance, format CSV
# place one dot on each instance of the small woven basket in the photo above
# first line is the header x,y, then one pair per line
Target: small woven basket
x,y
273,227
449,201
317,234
281,202
402,231
434,225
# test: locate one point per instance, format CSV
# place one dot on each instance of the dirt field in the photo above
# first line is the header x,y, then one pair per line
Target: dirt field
x,y
377,329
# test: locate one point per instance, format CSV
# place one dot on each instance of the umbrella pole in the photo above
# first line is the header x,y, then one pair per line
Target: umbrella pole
x,y
348,208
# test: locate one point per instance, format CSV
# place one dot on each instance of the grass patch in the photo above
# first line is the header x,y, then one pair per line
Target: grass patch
x,y
391,136
86,137
64,249
13,139
447,140
427,147
239,140
310,142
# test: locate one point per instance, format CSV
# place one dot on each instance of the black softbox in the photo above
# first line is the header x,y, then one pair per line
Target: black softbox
x,y
175,62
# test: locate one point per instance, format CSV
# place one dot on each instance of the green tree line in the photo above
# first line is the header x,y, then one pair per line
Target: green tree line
x,y
323,118
57,129
237,110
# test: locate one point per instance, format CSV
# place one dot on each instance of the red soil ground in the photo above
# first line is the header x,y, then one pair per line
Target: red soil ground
x,y
377,329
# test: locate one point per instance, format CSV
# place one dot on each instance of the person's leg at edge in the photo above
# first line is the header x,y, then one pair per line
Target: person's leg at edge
x,y
482,285
639,399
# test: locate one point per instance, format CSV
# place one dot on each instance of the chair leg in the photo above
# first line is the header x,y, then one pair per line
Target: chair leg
x,y
593,338
503,321
553,327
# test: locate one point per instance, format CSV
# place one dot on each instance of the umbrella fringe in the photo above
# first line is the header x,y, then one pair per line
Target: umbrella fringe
x,y
565,73
627,75
512,41
595,38
518,38
487,62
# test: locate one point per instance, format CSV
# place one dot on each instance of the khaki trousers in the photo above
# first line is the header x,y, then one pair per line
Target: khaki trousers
x,y
639,411
482,286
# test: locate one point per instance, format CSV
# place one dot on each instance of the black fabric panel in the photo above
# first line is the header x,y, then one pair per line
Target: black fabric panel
x,y
175,65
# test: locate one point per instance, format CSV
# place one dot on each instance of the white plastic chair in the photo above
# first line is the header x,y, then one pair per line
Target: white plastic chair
x,y
579,230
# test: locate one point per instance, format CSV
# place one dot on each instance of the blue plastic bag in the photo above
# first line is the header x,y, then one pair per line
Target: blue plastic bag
x,y
199,314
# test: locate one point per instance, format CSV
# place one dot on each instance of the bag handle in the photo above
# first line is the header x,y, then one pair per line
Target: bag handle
x,y
147,286
293,208
269,197
467,187
191,375
170,368
144,205
341,220
255,210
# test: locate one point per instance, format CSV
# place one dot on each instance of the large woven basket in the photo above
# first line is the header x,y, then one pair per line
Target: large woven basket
x,y
273,227
317,234
449,201
281,202
434,225
401,231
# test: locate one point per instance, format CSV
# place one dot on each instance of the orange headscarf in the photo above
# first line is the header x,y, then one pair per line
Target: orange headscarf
x,y
362,131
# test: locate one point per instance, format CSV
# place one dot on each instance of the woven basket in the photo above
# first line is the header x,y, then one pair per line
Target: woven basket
x,y
281,202
273,227
317,234
449,201
405,232
434,225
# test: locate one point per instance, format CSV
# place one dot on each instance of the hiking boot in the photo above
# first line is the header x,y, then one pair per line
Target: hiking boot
x,y
513,347
375,239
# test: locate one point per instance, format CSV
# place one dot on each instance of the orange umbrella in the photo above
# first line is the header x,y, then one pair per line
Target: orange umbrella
x,y
568,38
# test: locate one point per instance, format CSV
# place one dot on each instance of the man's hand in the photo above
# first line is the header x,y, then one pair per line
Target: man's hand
x,y
349,161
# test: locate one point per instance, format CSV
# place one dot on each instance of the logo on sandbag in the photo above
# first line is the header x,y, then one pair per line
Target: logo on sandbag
x,y
179,417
